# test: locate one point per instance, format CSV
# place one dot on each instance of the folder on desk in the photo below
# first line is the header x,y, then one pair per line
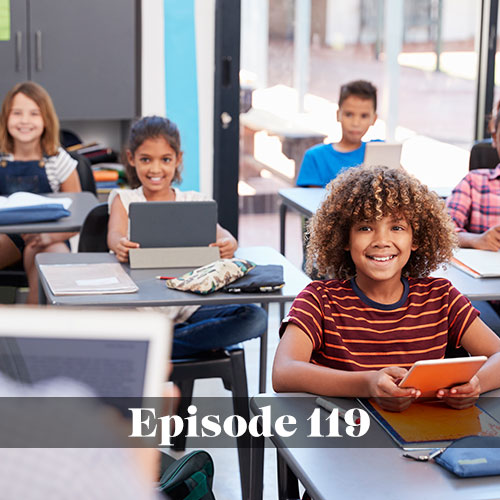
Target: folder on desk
x,y
433,423
477,263
87,279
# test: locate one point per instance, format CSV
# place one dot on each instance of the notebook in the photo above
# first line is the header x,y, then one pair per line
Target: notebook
x,y
87,279
433,424
383,153
111,351
477,263
167,224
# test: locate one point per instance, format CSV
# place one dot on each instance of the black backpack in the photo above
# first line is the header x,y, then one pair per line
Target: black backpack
x,y
188,478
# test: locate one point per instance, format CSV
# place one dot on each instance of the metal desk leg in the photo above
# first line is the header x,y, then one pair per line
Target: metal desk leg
x,y
263,356
283,209
288,485
256,468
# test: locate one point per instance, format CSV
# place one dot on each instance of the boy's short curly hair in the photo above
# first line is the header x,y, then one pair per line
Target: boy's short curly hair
x,y
370,193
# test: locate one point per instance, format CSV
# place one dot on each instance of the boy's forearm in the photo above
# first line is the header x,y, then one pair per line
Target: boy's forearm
x,y
300,376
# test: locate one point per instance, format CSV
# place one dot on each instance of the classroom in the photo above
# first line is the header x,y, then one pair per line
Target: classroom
x,y
326,168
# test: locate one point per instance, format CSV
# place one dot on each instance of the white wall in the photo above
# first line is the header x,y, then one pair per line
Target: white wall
x,y
153,58
153,75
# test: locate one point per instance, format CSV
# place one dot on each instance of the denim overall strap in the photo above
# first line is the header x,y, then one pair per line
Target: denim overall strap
x,y
23,176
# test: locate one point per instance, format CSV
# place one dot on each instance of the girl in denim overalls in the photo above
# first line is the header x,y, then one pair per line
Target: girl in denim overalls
x,y
32,160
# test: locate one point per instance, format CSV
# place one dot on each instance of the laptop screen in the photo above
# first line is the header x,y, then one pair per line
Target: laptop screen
x,y
116,353
111,368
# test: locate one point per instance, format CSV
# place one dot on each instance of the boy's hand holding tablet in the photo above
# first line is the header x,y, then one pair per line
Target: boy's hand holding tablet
x,y
385,390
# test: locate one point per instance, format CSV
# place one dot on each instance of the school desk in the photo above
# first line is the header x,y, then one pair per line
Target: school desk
x,y
306,201
472,288
153,292
81,205
372,469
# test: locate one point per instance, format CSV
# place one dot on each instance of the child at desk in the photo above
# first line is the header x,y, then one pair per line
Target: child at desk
x,y
356,113
31,159
154,162
380,232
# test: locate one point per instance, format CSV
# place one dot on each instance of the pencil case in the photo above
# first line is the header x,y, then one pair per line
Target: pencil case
x,y
472,456
260,279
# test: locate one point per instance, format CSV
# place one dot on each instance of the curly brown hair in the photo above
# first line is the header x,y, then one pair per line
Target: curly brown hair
x,y
370,193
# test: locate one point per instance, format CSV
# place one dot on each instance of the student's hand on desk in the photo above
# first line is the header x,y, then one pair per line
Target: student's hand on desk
x,y
461,396
383,387
226,247
489,240
121,250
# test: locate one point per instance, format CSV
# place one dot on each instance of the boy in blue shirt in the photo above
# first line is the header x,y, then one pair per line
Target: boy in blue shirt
x,y
356,113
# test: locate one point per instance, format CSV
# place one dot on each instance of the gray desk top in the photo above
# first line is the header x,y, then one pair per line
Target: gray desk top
x,y
304,200
153,292
81,206
363,472
473,288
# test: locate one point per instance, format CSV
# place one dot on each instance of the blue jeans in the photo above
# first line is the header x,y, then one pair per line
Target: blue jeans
x,y
216,327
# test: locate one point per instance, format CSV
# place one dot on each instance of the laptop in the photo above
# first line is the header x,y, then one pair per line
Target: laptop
x,y
383,153
116,353
167,224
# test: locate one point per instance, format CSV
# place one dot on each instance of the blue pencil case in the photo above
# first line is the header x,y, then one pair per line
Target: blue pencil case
x,y
472,456
32,213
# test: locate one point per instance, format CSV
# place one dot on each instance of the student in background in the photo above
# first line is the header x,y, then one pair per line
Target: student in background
x,y
356,113
474,204
32,160
154,163
380,232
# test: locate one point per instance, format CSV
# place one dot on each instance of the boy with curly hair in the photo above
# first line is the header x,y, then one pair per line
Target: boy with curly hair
x,y
380,232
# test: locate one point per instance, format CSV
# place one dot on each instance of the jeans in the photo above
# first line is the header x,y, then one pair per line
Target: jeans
x,y
216,327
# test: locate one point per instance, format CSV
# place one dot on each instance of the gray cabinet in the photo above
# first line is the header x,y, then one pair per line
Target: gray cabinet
x,y
85,53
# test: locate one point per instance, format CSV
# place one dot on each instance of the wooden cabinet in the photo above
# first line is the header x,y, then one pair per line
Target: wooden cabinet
x,y
84,52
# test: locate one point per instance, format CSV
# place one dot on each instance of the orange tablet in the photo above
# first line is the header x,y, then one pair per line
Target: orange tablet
x,y
432,374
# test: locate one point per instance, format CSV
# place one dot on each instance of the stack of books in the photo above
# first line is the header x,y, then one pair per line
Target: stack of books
x,y
108,176
96,152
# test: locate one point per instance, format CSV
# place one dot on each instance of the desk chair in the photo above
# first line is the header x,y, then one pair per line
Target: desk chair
x,y
14,276
227,364
483,155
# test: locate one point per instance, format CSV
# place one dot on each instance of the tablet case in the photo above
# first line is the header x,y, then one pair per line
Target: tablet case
x,y
166,224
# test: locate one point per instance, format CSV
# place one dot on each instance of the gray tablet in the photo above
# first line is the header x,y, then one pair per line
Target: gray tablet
x,y
166,224
383,153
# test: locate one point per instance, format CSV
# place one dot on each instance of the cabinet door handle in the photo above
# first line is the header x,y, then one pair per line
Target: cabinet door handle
x,y
19,49
38,42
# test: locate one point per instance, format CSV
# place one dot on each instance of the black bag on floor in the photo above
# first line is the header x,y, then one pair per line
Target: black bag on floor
x,y
188,478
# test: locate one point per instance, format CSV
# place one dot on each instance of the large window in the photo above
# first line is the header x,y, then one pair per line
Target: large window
x,y
295,85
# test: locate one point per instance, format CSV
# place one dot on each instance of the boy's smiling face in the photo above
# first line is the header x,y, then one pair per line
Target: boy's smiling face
x,y
355,115
380,249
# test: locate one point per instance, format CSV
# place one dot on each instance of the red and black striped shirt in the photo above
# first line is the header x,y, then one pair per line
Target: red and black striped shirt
x,y
349,331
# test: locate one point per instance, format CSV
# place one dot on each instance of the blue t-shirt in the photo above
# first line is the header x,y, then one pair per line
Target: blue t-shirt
x,y
322,163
